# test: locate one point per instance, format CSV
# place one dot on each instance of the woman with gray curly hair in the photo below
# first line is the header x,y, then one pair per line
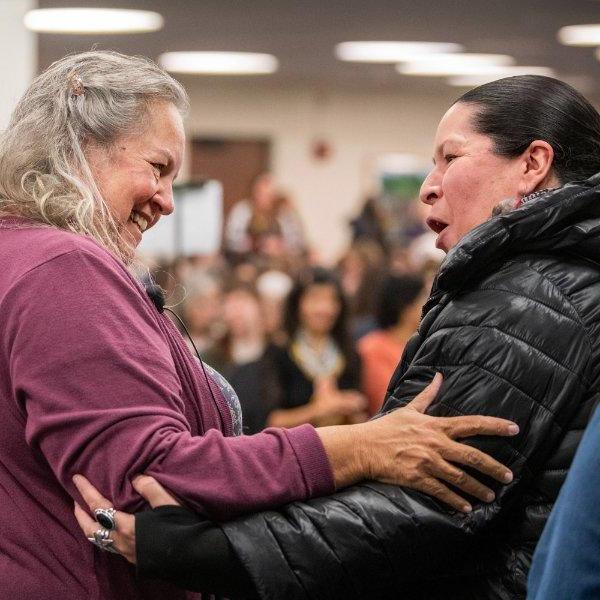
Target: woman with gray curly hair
x,y
95,380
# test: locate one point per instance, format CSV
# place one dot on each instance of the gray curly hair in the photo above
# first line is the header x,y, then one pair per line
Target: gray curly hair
x,y
94,97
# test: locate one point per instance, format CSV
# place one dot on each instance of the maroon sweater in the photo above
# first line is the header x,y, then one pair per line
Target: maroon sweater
x,y
94,380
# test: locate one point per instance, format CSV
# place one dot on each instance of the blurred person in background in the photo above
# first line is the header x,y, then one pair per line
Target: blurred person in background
x,y
513,324
399,302
370,223
246,270
273,288
318,370
94,377
266,223
245,358
399,260
203,310
190,265
360,272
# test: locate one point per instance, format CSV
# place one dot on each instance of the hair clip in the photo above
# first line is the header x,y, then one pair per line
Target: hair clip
x,y
76,85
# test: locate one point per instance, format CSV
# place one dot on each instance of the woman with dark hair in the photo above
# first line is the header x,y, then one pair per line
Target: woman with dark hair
x,y
397,314
512,323
318,370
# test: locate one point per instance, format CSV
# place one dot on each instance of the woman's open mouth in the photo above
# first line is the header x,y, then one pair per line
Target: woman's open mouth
x,y
435,225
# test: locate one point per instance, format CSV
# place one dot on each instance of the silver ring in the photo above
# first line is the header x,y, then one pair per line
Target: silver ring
x,y
101,539
107,517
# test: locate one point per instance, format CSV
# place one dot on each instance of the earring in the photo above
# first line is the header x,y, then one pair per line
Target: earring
x,y
534,195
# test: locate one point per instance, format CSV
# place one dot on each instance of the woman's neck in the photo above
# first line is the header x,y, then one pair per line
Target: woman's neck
x,y
316,339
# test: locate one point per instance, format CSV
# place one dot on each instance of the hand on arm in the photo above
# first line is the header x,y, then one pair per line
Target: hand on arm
x,y
124,536
172,543
405,446
195,538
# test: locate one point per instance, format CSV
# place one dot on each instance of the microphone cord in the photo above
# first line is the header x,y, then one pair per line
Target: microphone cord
x,y
197,354
156,295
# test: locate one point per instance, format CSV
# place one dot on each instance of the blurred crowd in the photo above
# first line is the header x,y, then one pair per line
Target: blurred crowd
x,y
298,342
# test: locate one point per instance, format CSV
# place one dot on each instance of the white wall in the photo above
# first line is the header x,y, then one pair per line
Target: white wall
x,y
359,125
18,50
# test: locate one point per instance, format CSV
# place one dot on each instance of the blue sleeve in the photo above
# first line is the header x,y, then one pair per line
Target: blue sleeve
x,y
566,563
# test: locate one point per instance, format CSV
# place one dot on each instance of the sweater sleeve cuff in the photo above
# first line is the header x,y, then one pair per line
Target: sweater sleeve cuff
x,y
313,461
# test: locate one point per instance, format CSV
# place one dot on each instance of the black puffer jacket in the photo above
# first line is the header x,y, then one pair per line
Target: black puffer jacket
x,y
514,326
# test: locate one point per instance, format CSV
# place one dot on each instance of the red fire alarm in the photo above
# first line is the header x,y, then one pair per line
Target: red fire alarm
x,y
321,150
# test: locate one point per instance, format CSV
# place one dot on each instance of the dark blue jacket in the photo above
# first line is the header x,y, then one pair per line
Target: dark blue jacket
x,y
566,563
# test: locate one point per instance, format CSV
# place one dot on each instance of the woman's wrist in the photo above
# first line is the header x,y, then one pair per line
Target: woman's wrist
x,y
345,449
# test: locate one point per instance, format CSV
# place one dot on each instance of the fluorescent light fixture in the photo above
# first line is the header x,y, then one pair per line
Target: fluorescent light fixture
x,y
92,20
480,79
219,63
439,65
390,52
580,35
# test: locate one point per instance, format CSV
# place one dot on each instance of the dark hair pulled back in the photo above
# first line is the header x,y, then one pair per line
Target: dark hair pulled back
x,y
515,111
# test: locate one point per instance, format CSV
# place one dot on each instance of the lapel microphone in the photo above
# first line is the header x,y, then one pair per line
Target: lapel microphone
x,y
156,294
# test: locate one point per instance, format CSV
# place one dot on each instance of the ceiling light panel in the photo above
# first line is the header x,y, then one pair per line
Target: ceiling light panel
x,y
92,20
219,63
580,35
480,79
455,64
391,52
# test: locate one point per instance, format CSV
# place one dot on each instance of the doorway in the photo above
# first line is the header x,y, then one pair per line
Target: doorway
x,y
233,162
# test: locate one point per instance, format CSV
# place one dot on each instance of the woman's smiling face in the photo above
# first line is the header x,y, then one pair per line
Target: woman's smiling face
x,y
135,175
467,179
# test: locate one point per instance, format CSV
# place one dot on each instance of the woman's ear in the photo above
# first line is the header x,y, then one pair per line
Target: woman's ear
x,y
538,172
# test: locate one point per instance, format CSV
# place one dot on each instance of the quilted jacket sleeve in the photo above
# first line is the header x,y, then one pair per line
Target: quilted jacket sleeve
x,y
514,348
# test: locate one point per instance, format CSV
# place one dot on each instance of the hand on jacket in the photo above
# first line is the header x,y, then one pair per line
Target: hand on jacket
x,y
405,446
409,448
